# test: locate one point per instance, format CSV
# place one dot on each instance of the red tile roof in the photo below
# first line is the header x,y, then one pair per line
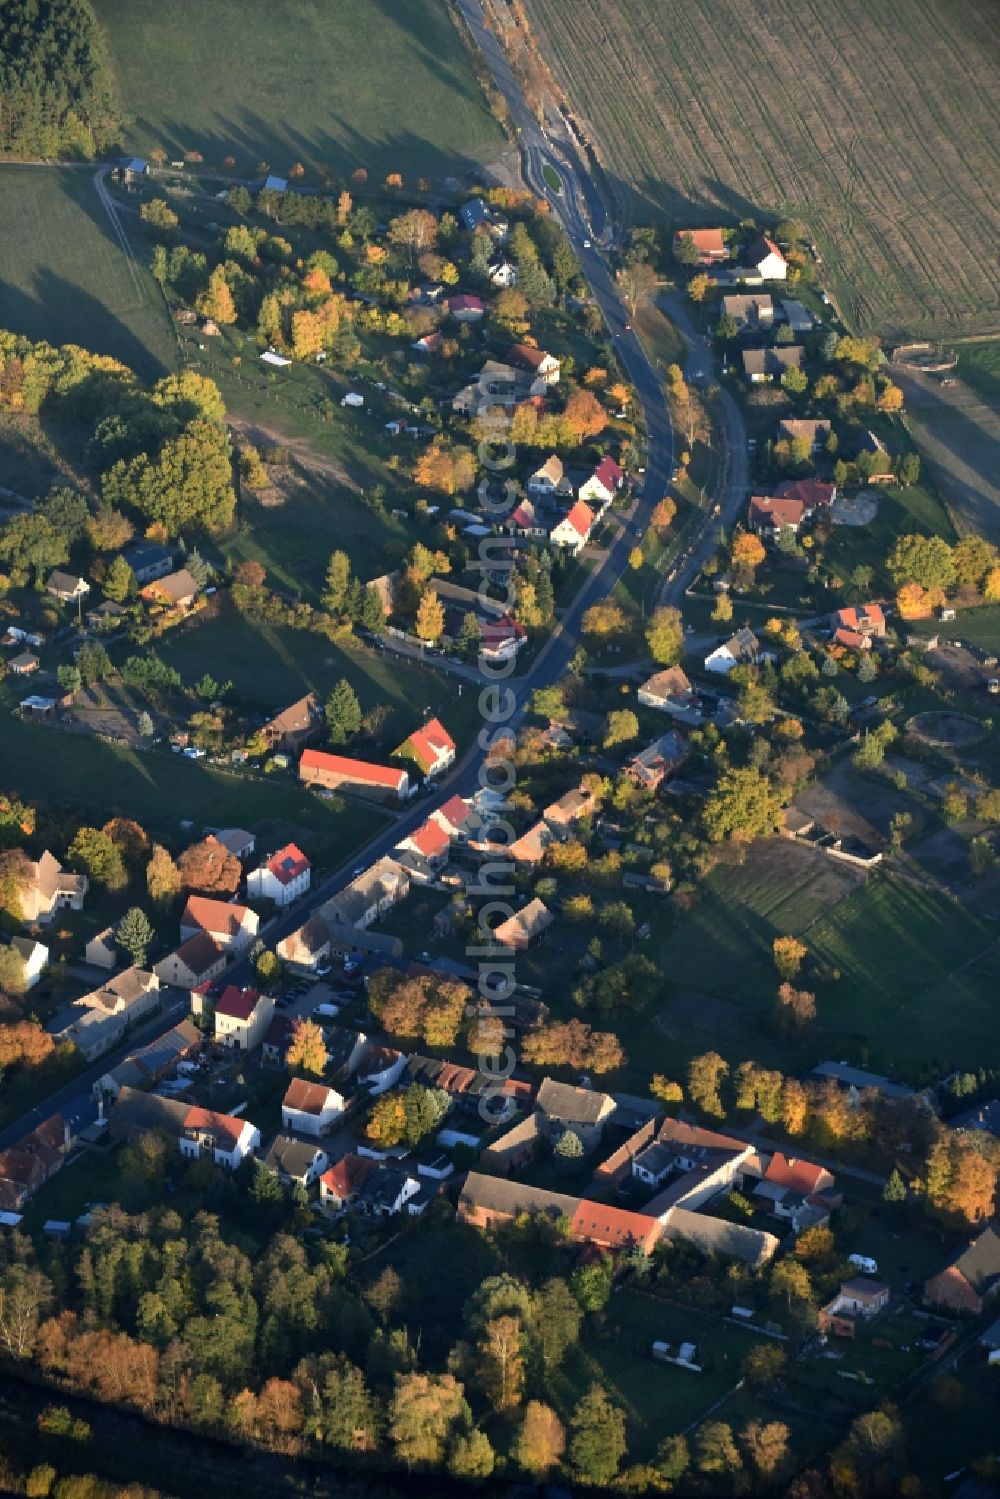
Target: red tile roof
x,y
599,1224
238,1004
798,1176
430,839
213,915
526,357
356,770
347,1175
856,619
708,241
608,473
812,492
226,1127
454,812
581,518
428,743
774,511
466,303
852,639
306,1097
288,863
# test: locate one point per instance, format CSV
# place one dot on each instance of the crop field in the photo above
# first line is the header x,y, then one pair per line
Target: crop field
x,y
63,276
877,125
381,84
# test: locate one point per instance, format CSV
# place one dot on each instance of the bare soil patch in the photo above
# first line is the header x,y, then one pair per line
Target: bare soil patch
x,y
946,730
856,509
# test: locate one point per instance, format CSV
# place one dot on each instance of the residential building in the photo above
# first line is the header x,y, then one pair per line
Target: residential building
x,y
369,895
242,1017
501,271
380,1068
177,590
341,773
762,365
798,318
456,817
236,841
859,1298
971,1279
103,950
573,532
341,1183
583,1110
295,1162
283,878
152,1061
535,362
477,213
525,520
466,309
614,1228
386,1191
148,560
562,815
858,625
233,927
295,726
741,649
749,310
66,587
767,515
651,766
137,1113
814,493
431,748
310,1107
525,926
50,888
685,1165
132,168
226,1139
429,842
766,259
549,479
530,847
32,1161
671,692
710,244
600,488
102,1018
34,957
24,664
194,962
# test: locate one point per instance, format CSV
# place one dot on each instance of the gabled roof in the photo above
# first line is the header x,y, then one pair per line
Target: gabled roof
x,y
673,681
237,1004
496,1194
570,1104
812,492
707,241
347,1175
776,512
761,249
306,1097
801,1177
454,813
466,303
176,586
580,519
291,1157
865,614
213,915
979,1263
306,713
551,469
530,921
227,1128
428,743
430,839
691,1137
199,953
615,1227
358,770
523,356
608,473
287,864
718,1236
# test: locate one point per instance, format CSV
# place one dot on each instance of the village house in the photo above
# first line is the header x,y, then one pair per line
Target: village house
x,y
456,817
741,649
530,847
767,515
573,532
562,815
225,1139
856,628
24,664
486,1201
132,168
106,616
32,1161
798,318
764,257
549,480
797,1190
310,1108
671,692
369,895
465,308
66,587
431,748
748,310
686,1166
295,1162
793,429
651,766
534,362
151,1062
600,488
380,1068
236,841
341,1183
242,1017
858,1298
50,888
194,962
341,773
230,925
476,213
524,927
149,560
385,1191
296,726
173,591
283,878
103,950
429,841
525,520
762,365
34,959
501,271
971,1279
583,1110
710,244
814,493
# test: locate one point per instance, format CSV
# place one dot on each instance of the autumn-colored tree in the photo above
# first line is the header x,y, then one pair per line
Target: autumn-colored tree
x,y
541,1440
209,868
665,636
891,398
961,1178
429,623
705,1075
344,205
637,281
384,1293
387,1121
602,620
698,287
307,1048
100,856
163,878
790,1282
572,1043
415,231
666,1090
766,1447
424,1412
794,1106
216,301
789,954
796,1007
747,553
722,611
764,1363
24,1043
663,514
584,416
501,1362
915,602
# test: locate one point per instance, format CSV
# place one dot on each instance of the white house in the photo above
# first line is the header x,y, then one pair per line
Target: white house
x,y
743,648
286,875
767,260
310,1108
51,888
230,925
573,531
380,1068
226,1139
599,490
502,272
547,478
35,957
431,747
535,362
386,1191
242,1017
296,1161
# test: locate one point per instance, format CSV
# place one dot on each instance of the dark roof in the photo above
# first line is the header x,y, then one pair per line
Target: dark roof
x,y
499,1195
288,1157
575,1105
979,1264
136,1112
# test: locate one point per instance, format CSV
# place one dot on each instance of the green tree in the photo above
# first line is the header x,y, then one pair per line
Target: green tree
x,y
927,560
716,1454
568,1150
163,879
188,486
597,1442
372,613
93,663
135,933
621,727
471,1456
338,576
705,1075
894,1191
343,712
744,805
665,636
119,582
100,857
591,1285
425,1411
69,678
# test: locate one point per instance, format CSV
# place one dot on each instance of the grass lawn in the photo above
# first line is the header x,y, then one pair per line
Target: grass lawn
x,y
387,86
979,366
271,666
64,276
101,780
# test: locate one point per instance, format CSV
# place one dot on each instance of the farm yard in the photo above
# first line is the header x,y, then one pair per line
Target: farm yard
x,y
716,109
64,277
386,85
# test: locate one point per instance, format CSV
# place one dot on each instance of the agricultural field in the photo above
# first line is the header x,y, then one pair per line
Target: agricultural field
x,y
384,84
876,125
957,427
64,277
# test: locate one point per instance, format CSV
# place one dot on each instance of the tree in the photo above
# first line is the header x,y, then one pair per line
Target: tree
x,y
343,712
387,1121
424,1411
216,301
927,560
338,576
583,416
100,857
471,1455
556,1320
796,1007
188,487
789,953
764,1363
541,1439
24,1044
637,281
663,515
135,933
790,1281
119,581
430,616
621,727
307,1048
744,805
208,867
716,1453
597,1444
163,878
158,214
469,636
698,287
372,612
894,1191
794,1106
705,1075
747,553
568,1149
666,1090
384,1292
722,613
501,1362
766,1446
665,636
13,977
